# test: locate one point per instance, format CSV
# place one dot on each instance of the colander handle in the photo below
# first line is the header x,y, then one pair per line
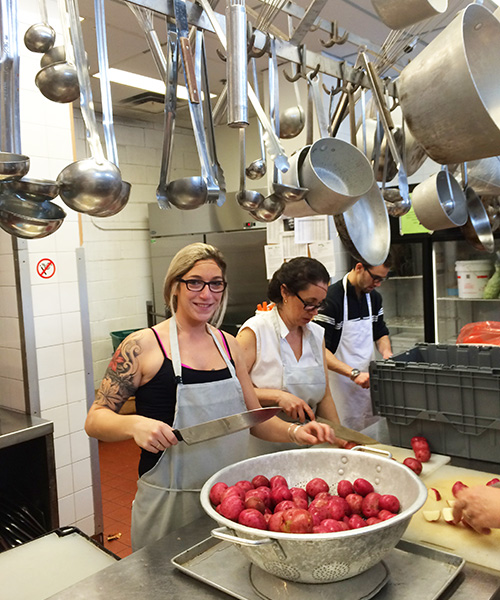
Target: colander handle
x,y
384,453
221,534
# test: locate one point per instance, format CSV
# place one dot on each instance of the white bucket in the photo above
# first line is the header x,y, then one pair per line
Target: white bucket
x,y
472,276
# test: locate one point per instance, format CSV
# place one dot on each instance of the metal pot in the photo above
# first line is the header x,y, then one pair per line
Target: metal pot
x,y
484,175
478,231
439,202
448,92
365,229
292,177
337,174
398,14
325,557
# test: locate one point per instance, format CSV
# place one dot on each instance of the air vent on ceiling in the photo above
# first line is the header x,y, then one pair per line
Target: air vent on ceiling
x,y
150,102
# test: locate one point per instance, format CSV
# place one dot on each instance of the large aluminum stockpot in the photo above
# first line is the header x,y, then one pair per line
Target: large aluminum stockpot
x,y
398,14
449,92
337,174
320,557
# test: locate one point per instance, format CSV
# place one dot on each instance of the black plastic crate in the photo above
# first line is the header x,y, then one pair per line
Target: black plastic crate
x,y
449,394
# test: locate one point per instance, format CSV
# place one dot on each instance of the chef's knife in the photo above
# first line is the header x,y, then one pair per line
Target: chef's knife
x,y
226,425
349,434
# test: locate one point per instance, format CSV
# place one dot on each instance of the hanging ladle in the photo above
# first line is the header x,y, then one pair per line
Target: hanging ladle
x,y
247,199
293,119
90,185
40,37
257,168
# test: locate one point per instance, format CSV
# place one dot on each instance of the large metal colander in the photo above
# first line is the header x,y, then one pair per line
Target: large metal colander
x,y
325,557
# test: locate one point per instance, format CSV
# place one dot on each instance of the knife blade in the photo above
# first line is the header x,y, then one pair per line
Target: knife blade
x,y
349,434
224,426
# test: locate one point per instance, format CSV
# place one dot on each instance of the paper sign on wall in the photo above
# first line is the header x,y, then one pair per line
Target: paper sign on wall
x,y
290,248
273,254
323,251
311,229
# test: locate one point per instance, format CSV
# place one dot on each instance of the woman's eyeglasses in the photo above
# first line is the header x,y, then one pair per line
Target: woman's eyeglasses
x,y
197,285
310,307
376,278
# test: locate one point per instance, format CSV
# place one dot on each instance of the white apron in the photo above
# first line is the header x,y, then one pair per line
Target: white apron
x,y
307,383
168,496
355,349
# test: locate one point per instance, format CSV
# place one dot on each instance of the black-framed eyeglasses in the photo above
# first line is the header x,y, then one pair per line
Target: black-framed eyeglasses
x,y
376,278
198,285
308,306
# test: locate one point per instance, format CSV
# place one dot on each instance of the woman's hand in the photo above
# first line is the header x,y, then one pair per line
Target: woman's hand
x,y
152,435
478,507
295,407
315,433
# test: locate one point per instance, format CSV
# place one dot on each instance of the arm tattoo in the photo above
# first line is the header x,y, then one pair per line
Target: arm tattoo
x,y
118,382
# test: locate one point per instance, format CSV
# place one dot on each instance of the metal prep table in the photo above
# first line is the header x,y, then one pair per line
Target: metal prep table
x,y
149,574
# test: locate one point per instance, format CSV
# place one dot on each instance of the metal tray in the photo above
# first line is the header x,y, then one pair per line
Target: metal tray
x,y
222,566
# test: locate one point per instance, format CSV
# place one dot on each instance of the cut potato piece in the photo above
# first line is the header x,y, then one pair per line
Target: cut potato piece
x,y
431,515
434,494
448,515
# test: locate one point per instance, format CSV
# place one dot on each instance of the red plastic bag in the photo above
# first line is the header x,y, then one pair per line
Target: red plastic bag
x,y
483,332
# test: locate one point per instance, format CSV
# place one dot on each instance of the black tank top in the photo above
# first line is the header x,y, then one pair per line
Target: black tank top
x,y
157,398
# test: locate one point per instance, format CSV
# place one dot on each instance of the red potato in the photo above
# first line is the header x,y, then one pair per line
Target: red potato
x,y
413,464
300,502
297,520
277,481
339,508
344,488
389,502
231,507
323,496
332,525
362,487
255,502
265,494
285,505
216,492
278,494
233,490
320,529
260,480
457,486
275,521
421,448
493,481
299,492
373,520
370,504
316,486
350,445
319,513
383,515
245,485
356,522
355,502
252,518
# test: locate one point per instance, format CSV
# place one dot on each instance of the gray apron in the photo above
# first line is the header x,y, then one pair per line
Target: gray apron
x,y
307,383
168,496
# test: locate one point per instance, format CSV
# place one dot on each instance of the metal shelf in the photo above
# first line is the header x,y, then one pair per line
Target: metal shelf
x,y
405,323
456,299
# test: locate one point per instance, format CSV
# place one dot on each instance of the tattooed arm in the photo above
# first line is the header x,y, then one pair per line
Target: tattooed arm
x,y
130,366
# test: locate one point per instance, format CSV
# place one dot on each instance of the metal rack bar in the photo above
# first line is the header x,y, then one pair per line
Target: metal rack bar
x,y
284,49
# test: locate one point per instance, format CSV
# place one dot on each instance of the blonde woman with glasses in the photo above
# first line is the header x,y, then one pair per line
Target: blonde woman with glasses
x,y
182,372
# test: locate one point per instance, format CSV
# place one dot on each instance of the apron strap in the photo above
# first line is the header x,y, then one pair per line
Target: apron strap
x,y
176,357
345,316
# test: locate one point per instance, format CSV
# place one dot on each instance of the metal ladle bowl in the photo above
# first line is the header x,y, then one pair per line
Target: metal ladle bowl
x,y
187,193
90,186
27,219
58,82
256,169
292,122
54,55
269,210
118,204
40,37
13,166
37,190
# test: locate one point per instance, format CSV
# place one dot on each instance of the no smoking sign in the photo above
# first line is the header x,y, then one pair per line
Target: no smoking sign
x,y
45,268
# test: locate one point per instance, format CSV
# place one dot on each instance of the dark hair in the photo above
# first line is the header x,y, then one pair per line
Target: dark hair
x,y
296,274
387,263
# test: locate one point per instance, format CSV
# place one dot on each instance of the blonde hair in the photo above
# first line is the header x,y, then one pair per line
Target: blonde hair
x,y
182,263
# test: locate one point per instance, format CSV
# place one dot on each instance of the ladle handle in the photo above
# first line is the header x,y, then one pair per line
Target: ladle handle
x,y
43,12
314,82
68,47
9,79
86,100
256,86
145,18
107,105
242,160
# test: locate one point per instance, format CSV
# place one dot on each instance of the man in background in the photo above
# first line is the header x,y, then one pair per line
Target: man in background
x,y
353,319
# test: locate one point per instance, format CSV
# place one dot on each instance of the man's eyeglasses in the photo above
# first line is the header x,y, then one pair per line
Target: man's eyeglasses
x,y
310,307
376,278
197,285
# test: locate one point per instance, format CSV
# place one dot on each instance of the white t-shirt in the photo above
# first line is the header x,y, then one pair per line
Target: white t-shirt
x,y
267,371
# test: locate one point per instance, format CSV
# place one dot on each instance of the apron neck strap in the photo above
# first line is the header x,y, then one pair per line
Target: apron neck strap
x,y
176,356
368,299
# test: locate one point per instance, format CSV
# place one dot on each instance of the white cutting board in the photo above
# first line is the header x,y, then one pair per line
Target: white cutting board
x,y
483,550
436,461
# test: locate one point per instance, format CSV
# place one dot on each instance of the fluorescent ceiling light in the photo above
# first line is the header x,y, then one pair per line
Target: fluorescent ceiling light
x,y
143,83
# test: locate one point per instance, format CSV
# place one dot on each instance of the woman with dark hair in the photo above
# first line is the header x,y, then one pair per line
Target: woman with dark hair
x,y
285,351
182,372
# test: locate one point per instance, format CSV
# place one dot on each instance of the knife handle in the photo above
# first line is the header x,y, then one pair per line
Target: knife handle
x,y
189,71
178,435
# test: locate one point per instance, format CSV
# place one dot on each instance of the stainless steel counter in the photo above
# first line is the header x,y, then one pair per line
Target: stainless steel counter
x,y
16,427
149,574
